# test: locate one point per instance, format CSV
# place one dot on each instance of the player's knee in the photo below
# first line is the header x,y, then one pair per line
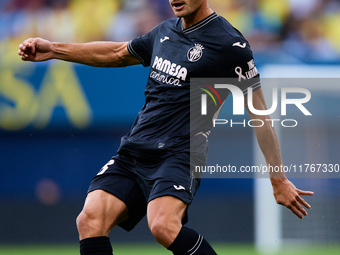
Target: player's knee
x,y
163,231
81,221
87,223
159,230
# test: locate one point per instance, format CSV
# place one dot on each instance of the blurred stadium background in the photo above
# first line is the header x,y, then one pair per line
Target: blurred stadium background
x,y
61,122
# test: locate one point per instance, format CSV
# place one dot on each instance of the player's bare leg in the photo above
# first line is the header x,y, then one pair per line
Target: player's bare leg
x,y
165,216
101,212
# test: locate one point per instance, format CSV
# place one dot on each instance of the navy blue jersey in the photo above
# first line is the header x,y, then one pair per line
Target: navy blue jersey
x,y
210,48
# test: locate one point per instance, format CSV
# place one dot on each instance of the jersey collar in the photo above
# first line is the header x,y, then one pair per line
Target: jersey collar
x,y
198,25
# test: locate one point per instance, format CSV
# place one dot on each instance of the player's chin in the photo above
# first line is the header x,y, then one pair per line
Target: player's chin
x,y
179,13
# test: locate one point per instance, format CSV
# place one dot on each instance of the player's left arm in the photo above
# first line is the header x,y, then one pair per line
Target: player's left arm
x,y
284,191
98,54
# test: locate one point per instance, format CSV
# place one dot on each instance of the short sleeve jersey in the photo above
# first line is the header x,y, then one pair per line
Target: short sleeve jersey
x,y
210,48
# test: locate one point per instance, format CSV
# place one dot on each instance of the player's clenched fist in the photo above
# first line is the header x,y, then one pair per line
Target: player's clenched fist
x,y
36,49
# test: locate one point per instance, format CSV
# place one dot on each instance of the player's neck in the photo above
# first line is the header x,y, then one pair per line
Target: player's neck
x,y
196,17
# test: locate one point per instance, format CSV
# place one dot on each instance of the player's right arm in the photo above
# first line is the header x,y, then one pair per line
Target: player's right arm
x,y
284,191
98,54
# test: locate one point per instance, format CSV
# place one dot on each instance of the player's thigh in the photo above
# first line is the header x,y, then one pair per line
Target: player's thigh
x,y
166,209
105,208
101,212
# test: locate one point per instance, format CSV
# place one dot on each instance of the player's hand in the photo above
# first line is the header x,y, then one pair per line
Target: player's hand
x,y
36,49
287,194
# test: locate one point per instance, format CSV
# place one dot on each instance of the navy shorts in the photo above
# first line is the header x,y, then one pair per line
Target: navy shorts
x,y
137,181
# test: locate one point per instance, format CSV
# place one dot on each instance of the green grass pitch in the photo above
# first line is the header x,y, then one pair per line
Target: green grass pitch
x,y
154,249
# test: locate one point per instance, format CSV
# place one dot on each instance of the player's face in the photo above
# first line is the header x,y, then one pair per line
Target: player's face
x,y
185,8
